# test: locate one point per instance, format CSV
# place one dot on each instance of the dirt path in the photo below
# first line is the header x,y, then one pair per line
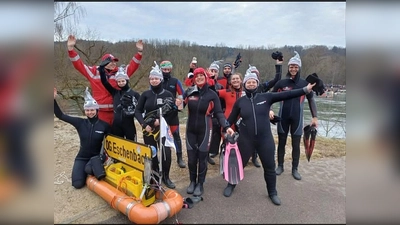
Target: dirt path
x,y
84,206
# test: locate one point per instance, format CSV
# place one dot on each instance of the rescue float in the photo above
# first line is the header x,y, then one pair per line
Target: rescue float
x,y
130,185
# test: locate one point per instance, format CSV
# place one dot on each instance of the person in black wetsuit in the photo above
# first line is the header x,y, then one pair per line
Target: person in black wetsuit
x,y
124,102
291,113
91,131
265,87
201,102
149,101
255,129
174,85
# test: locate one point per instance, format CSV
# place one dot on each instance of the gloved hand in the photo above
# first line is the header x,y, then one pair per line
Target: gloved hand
x,y
319,88
277,55
105,62
126,99
190,75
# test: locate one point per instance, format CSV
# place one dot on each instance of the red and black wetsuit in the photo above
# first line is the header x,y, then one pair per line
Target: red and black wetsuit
x,y
291,113
201,102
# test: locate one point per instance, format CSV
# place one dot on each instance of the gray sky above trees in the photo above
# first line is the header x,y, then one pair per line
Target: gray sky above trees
x,y
269,24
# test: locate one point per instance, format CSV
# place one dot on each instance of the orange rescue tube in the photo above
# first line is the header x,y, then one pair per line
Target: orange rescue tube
x,y
135,211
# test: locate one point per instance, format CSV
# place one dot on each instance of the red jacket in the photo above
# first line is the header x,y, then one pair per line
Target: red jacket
x,y
99,92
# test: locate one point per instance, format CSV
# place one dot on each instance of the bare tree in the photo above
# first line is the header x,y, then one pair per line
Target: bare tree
x,y
66,16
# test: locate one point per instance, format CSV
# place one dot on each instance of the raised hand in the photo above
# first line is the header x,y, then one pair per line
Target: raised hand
x,y
71,42
139,45
105,62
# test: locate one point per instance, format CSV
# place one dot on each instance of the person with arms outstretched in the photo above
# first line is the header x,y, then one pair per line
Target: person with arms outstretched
x,y
91,131
100,94
255,129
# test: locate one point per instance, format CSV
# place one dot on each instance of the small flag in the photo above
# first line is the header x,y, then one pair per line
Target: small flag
x,y
166,132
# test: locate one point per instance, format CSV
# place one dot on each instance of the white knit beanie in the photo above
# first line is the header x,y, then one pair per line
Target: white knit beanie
x,y
253,69
249,76
90,103
215,65
156,72
295,59
121,74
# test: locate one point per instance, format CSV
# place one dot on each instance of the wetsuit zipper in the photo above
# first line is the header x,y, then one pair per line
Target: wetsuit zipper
x,y
254,114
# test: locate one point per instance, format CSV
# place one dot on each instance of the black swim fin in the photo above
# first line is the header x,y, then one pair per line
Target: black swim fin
x,y
309,136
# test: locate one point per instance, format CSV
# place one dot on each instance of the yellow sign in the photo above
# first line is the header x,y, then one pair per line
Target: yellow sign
x,y
127,151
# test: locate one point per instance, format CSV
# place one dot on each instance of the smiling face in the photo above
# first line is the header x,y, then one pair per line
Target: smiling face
x,y
121,82
251,84
111,65
293,69
154,81
90,113
200,79
236,81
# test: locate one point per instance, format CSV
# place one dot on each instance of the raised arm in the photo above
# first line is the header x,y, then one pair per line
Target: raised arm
x,y
88,71
103,77
136,59
279,96
74,121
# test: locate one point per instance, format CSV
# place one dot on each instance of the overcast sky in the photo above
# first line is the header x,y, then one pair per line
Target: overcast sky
x,y
253,24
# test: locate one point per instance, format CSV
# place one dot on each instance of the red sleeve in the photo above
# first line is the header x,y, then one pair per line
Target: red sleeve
x,y
133,64
87,71
188,82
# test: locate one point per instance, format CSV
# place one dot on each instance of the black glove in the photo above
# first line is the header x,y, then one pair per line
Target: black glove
x,y
105,62
126,100
277,55
238,60
275,120
319,87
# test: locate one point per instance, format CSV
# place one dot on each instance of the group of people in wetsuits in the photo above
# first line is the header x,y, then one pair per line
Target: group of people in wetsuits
x,y
216,105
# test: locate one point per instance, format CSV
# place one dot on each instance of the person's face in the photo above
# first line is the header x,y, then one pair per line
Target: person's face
x,y
90,113
227,70
166,70
213,73
111,65
154,81
293,69
251,84
121,82
236,81
200,79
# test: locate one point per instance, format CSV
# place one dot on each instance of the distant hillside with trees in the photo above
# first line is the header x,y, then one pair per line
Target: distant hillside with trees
x,y
328,63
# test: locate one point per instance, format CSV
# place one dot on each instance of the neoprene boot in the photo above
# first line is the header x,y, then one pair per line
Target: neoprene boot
x,y
255,161
210,160
279,170
167,181
275,199
198,190
296,174
229,189
180,161
192,184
